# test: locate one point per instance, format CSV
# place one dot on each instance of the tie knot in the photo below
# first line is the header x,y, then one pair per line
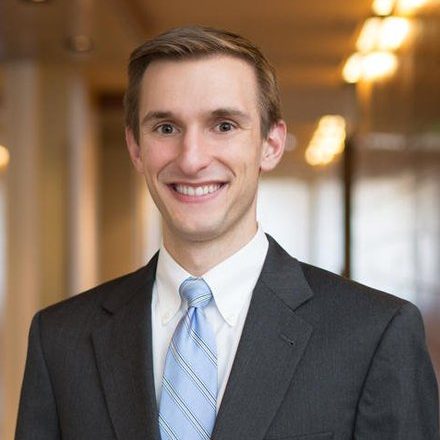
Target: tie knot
x,y
196,292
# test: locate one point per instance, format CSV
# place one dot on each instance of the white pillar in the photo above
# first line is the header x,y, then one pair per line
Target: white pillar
x,y
83,180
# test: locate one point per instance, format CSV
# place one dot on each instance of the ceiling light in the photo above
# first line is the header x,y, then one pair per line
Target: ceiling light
x,y
4,157
327,141
383,34
367,39
370,66
352,71
378,65
383,7
36,1
393,33
407,7
317,157
79,43
330,122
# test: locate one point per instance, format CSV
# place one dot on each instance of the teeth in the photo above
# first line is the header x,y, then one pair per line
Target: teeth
x,y
196,191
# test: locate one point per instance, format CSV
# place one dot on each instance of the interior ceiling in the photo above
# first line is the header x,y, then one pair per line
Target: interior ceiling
x,y
307,41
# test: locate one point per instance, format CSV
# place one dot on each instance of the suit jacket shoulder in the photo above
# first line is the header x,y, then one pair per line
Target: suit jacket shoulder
x,y
77,312
349,299
333,297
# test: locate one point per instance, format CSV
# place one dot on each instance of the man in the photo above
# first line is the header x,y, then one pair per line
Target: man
x,y
257,345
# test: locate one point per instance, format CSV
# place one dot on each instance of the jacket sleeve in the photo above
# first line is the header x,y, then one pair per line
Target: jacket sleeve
x,y
37,414
399,399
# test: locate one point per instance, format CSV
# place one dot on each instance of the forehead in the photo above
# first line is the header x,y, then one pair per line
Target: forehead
x,y
209,82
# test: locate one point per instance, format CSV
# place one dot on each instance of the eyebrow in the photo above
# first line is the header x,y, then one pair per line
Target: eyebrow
x,y
230,112
155,115
223,112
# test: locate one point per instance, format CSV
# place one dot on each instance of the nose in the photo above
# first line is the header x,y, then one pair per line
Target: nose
x,y
194,153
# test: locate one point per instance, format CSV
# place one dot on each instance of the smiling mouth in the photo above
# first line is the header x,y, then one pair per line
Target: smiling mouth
x,y
197,191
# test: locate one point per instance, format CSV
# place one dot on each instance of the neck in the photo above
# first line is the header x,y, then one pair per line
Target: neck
x,y
198,256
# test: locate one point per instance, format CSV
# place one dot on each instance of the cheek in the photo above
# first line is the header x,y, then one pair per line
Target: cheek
x,y
155,158
244,150
249,160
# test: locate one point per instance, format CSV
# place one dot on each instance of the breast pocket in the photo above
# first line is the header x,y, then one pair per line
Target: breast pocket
x,y
316,436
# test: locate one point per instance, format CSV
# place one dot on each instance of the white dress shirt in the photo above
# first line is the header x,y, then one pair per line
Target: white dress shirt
x,y
231,282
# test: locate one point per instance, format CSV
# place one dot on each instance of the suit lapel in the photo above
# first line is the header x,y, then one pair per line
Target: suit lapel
x,y
271,345
123,348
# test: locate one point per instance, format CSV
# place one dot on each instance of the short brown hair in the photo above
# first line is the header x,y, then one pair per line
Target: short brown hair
x,y
193,42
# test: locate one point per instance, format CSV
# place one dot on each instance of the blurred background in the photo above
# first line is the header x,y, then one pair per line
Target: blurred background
x,y
357,192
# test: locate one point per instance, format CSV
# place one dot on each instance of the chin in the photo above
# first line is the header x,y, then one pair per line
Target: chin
x,y
198,232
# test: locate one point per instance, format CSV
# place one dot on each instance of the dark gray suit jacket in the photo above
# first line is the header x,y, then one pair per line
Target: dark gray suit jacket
x,y
320,358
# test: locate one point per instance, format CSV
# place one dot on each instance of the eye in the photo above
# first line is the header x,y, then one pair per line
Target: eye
x,y
225,126
165,129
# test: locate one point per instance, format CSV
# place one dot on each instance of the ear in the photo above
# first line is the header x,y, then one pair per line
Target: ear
x,y
134,150
273,146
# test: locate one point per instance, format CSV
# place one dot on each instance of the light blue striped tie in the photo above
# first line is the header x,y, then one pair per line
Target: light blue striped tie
x,y
189,385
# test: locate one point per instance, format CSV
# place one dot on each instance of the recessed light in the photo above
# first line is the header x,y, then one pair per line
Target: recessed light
x,y
36,1
4,157
79,43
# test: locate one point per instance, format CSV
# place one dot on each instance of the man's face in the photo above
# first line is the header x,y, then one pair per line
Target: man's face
x,y
200,147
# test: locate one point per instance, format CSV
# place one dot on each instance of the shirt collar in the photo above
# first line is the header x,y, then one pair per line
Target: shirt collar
x,y
169,276
231,281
